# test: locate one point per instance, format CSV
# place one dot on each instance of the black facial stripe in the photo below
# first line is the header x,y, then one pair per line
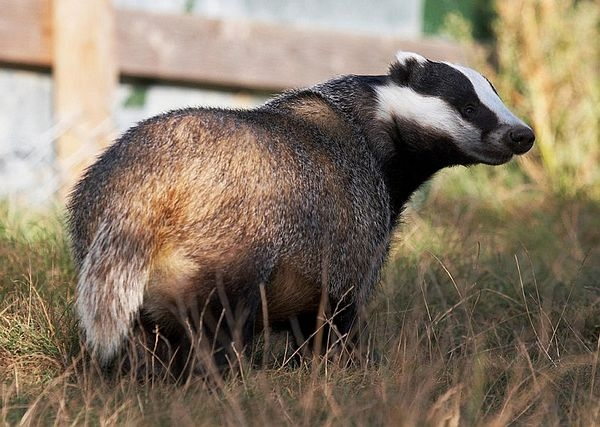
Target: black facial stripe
x,y
443,81
485,119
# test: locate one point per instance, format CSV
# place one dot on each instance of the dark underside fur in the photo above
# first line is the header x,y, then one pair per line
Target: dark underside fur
x,y
301,195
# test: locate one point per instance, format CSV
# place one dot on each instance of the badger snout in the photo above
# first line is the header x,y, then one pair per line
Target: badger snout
x,y
519,139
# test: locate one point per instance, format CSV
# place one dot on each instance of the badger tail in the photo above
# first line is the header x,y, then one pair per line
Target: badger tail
x,y
110,289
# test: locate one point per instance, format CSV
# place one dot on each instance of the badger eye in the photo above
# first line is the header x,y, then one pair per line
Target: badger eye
x,y
469,110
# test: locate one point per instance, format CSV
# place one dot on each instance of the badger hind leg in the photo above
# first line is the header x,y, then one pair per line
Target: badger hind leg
x,y
225,321
196,320
205,336
157,350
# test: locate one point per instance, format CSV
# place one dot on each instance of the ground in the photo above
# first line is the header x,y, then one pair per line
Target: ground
x,y
488,312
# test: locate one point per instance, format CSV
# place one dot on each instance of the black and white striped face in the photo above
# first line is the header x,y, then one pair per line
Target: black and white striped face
x,y
456,103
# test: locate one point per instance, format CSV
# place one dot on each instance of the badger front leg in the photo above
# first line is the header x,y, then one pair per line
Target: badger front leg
x,y
343,320
330,330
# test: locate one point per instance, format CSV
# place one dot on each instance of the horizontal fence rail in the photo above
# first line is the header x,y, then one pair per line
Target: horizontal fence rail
x,y
225,52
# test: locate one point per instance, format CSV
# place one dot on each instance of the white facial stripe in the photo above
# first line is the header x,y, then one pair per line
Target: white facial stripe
x,y
427,111
402,57
488,97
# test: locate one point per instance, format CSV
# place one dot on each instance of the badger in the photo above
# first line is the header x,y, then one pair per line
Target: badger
x,y
212,224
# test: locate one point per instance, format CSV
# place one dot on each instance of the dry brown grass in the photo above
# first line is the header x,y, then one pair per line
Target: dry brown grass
x,y
486,315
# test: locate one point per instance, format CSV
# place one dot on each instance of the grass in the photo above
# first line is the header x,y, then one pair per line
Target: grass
x,y
489,313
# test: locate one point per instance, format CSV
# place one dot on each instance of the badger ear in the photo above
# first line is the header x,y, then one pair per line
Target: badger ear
x,y
404,65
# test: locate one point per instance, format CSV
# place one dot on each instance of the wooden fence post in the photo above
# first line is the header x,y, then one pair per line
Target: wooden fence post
x,y
85,74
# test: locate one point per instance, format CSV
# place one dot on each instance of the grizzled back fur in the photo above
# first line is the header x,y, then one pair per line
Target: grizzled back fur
x,y
178,224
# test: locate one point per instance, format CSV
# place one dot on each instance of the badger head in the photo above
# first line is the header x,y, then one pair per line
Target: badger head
x,y
455,109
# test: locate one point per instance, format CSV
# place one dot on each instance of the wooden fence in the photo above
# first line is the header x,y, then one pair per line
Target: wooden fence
x,y
88,45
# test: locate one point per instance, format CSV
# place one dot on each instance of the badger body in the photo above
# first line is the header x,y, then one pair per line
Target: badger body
x,y
179,223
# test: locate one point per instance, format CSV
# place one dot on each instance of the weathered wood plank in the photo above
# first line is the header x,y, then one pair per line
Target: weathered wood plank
x,y
221,52
25,32
250,54
85,76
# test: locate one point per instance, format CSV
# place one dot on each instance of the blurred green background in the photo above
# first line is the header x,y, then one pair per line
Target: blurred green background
x,y
479,12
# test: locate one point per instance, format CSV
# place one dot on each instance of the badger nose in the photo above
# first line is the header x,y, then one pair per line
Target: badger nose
x,y
520,139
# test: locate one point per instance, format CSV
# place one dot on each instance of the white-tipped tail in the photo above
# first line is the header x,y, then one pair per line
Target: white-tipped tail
x,y
110,288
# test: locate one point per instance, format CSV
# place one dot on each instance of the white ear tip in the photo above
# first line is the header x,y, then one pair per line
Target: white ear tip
x,y
402,57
